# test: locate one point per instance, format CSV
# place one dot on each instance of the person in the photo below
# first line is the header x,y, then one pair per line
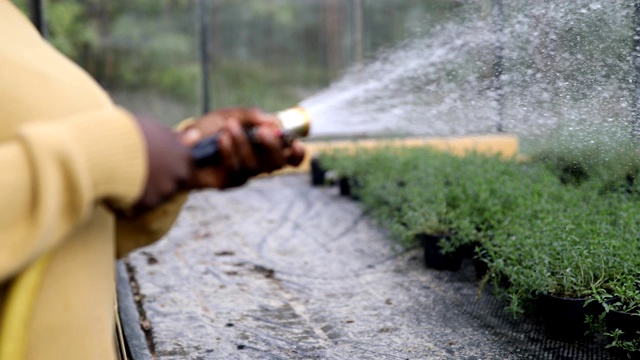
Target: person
x,y
83,181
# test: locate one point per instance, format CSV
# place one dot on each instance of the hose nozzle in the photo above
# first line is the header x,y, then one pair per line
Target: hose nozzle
x,y
295,121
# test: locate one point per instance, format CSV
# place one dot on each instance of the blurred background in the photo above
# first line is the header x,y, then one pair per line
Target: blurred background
x,y
272,54
430,67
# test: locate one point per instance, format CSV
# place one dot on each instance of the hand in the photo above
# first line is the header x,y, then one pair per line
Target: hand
x,y
240,159
169,164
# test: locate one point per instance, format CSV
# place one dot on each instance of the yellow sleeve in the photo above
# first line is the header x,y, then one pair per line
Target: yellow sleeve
x,y
54,172
141,230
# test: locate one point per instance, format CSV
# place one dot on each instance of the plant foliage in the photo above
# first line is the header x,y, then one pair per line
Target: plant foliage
x,y
538,232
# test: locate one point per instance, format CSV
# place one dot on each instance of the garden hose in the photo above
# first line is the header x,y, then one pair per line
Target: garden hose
x,y
294,122
18,308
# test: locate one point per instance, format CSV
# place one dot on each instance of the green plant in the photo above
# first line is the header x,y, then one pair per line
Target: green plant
x,y
559,240
623,295
537,234
621,344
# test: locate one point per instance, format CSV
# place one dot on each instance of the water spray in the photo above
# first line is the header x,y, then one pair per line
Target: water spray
x,y
294,123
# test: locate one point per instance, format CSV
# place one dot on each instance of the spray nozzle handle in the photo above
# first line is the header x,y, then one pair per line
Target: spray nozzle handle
x,y
207,152
294,122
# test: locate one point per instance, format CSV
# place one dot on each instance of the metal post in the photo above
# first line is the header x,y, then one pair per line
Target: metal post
x,y
635,99
204,54
36,8
498,63
351,31
357,20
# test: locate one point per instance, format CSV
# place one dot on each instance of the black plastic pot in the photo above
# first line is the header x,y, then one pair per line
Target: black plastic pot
x,y
468,251
481,267
345,186
434,258
317,172
564,318
349,187
480,264
629,323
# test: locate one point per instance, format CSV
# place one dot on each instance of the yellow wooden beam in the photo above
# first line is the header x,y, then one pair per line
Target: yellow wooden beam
x,y
506,145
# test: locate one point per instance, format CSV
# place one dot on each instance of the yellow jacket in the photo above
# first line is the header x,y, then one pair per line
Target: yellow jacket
x,y
65,150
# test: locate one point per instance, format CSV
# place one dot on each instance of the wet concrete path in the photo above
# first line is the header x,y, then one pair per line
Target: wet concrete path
x,y
282,270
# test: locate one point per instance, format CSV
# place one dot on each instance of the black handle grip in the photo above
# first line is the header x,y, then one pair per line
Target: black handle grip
x,y
207,152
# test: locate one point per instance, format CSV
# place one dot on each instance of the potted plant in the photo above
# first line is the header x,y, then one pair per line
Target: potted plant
x,y
553,257
622,315
318,172
485,195
553,248
620,299
428,224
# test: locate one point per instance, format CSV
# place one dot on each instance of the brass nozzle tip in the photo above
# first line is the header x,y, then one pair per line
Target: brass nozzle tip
x,y
295,120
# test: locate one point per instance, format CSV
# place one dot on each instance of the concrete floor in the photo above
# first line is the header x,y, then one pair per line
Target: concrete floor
x,y
281,270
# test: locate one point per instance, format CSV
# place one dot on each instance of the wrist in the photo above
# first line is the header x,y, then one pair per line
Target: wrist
x,y
169,164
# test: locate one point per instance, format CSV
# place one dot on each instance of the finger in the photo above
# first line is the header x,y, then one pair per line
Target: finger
x,y
209,123
295,153
242,146
229,157
191,136
257,117
273,156
249,117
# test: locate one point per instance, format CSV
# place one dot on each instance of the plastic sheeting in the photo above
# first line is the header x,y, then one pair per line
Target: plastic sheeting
x,y
280,270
